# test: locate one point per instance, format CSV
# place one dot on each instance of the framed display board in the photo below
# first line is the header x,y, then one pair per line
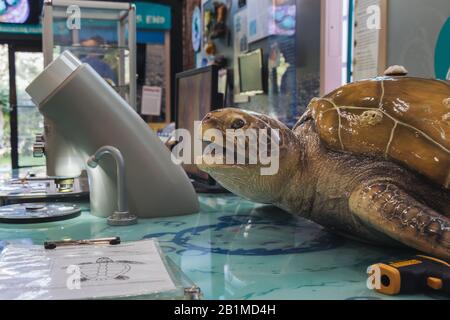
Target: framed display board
x,y
369,39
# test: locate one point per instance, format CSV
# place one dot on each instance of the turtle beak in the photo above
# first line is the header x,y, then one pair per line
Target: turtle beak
x,y
210,122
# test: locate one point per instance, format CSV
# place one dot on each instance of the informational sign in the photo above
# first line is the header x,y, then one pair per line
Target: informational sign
x,y
270,17
83,272
151,101
240,32
148,16
258,19
369,49
153,16
240,40
20,29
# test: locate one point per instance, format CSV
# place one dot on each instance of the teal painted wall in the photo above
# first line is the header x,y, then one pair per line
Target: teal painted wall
x,y
442,53
417,37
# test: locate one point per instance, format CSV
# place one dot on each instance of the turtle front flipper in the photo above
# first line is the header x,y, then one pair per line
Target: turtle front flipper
x,y
387,208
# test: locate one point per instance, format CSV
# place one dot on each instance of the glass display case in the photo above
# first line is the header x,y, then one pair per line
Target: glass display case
x,y
101,34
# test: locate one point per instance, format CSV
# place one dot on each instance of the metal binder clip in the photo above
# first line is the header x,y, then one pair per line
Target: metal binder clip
x,y
193,293
50,245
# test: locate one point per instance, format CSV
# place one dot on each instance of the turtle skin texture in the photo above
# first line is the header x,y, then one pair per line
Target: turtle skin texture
x,y
361,196
403,119
369,198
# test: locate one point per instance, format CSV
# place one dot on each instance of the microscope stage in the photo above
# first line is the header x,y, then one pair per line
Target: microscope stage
x,y
28,213
41,189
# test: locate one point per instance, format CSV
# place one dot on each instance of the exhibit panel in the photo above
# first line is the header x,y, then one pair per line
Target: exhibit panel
x,y
413,34
272,30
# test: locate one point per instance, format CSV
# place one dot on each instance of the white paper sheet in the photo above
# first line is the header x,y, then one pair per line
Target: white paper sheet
x,y
366,57
83,272
258,13
240,41
151,101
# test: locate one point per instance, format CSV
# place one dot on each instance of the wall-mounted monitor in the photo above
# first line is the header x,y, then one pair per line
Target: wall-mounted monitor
x,y
251,73
196,95
20,11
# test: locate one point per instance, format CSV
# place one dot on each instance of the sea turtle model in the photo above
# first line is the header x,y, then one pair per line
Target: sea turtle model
x,y
370,161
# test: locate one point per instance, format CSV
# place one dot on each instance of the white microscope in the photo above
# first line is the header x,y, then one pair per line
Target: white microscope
x,y
90,128
138,177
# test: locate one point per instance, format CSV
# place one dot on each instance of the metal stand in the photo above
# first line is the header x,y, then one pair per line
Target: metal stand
x,y
121,219
122,216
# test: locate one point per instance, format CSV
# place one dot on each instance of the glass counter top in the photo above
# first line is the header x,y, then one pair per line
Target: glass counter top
x,y
235,249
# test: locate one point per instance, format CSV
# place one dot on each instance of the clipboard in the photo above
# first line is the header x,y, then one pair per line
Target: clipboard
x,y
104,268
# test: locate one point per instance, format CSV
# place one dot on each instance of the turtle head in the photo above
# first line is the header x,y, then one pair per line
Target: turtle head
x,y
254,150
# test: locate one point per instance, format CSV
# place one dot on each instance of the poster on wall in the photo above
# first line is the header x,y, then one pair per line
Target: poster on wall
x,y
282,19
151,101
270,17
369,51
240,32
240,40
258,19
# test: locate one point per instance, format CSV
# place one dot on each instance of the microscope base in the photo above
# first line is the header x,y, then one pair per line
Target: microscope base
x,y
121,219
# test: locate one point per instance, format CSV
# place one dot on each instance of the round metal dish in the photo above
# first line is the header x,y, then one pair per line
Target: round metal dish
x,y
27,213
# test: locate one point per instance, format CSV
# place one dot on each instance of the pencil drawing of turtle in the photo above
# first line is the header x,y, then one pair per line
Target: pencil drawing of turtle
x,y
370,161
105,269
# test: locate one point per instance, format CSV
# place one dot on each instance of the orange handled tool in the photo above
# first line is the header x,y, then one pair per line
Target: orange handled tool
x,y
413,276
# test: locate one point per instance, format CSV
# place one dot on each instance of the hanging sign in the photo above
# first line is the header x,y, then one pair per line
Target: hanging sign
x,y
153,16
20,28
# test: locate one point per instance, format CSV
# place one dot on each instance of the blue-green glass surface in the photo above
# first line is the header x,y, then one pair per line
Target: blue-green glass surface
x,y
235,249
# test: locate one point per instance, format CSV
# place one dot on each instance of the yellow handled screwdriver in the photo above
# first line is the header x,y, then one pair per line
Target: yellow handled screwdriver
x,y
413,276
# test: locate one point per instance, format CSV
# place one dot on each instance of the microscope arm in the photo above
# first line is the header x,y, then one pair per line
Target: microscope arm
x,y
122,205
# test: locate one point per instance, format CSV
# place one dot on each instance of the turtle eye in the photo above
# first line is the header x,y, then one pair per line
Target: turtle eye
x,y
238,124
